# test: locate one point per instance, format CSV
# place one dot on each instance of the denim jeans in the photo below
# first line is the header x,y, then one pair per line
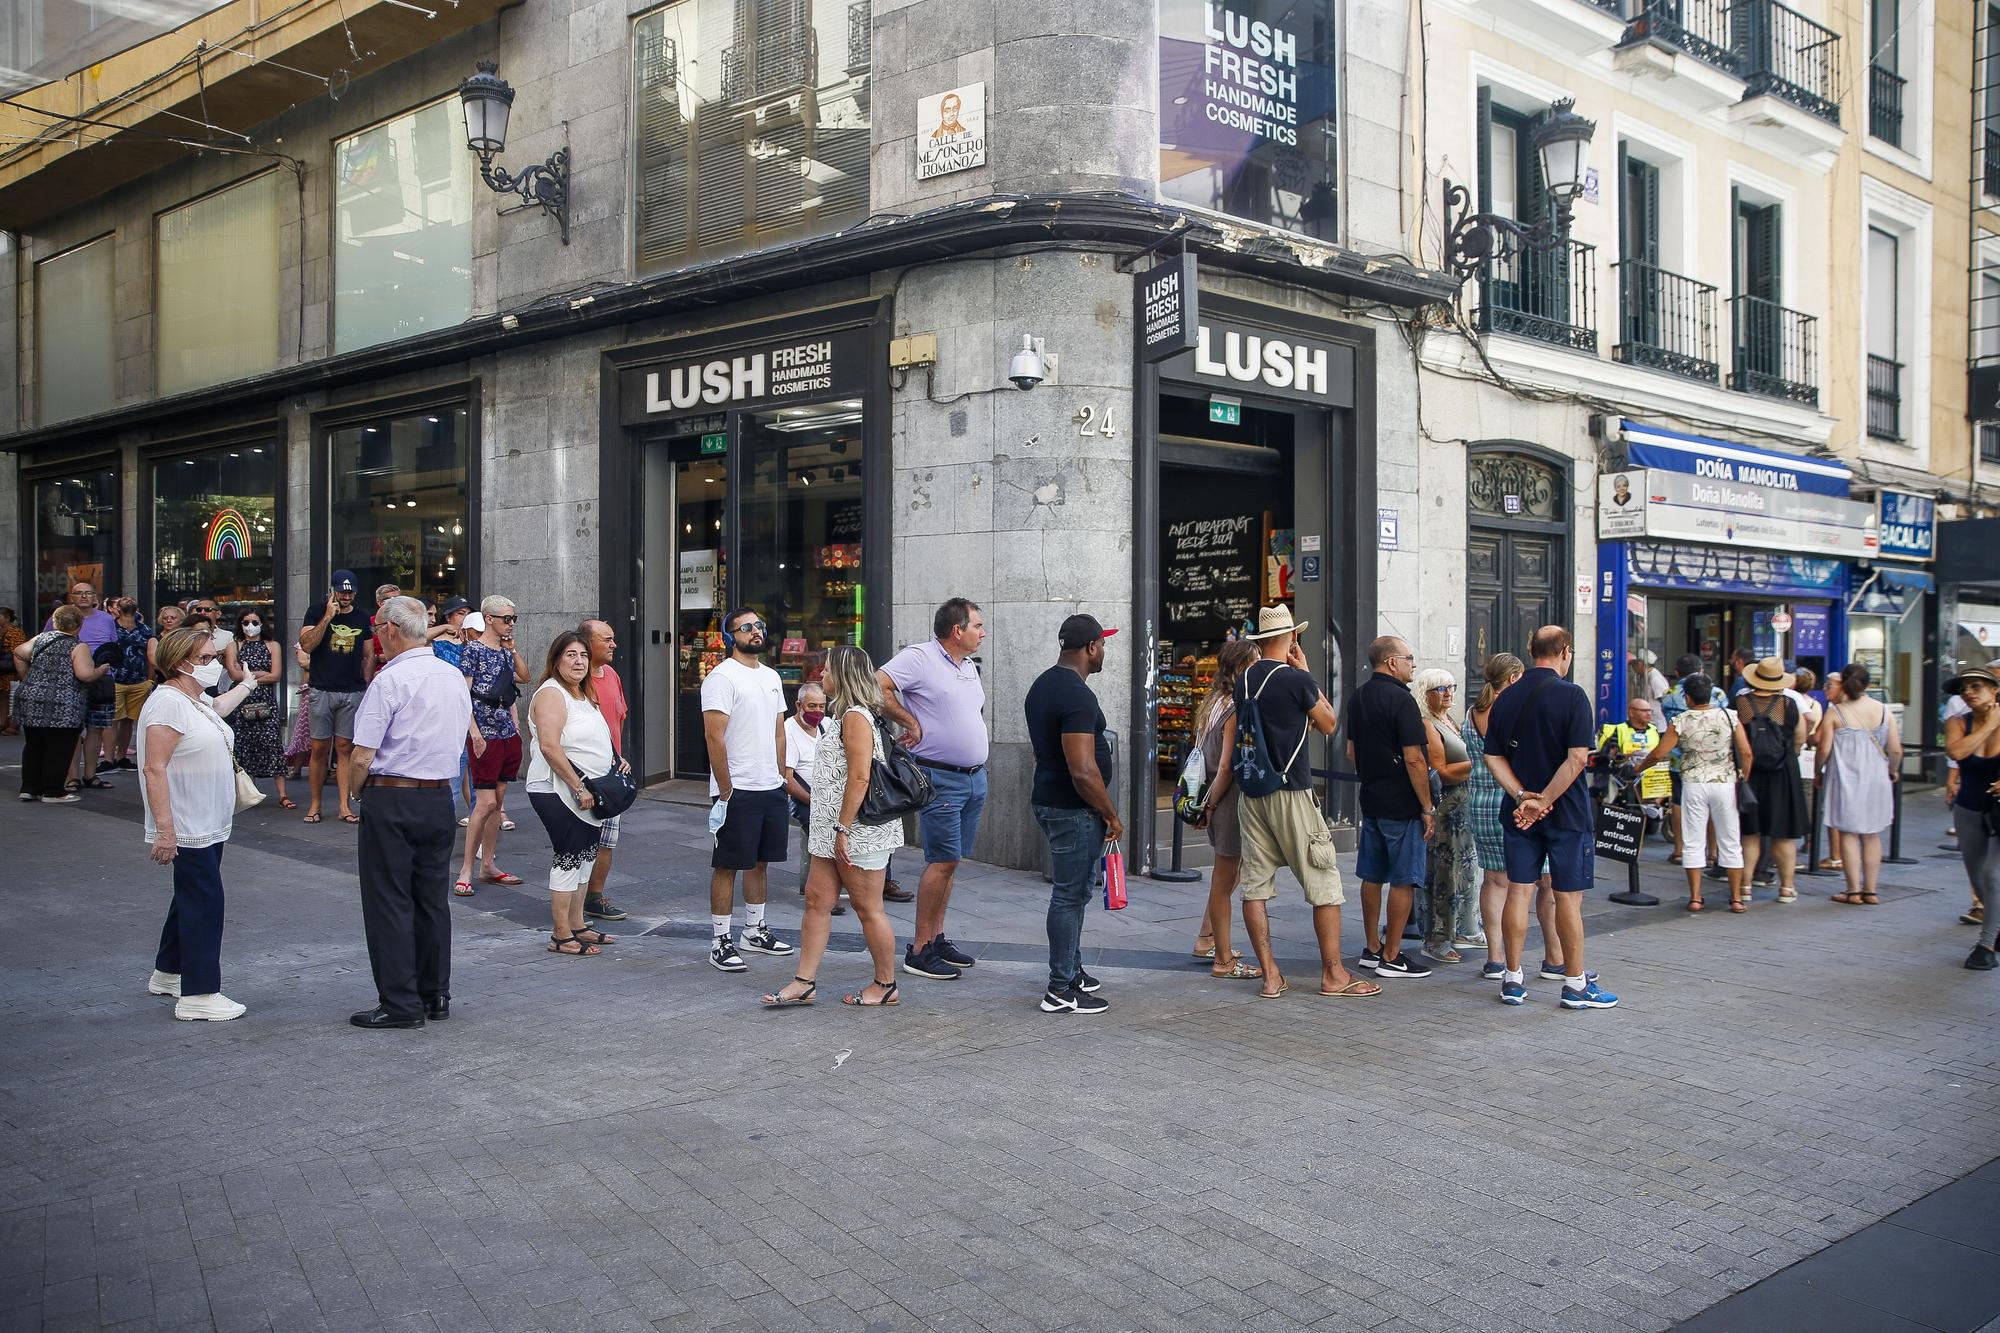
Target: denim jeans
x,y
1076,860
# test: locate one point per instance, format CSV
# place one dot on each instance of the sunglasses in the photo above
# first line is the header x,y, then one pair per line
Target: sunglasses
x,y
507,619
757,625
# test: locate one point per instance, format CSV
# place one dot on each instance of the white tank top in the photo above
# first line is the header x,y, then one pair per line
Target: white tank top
x,y
585,742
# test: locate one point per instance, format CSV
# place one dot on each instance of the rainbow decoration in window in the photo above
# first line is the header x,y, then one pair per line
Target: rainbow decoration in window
x,y
228,536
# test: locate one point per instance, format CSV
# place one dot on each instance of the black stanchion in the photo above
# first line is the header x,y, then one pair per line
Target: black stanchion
x,y
1813,866
1174,874
1895,856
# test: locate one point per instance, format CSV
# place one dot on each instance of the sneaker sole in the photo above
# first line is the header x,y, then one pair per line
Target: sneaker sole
x,y
779,950
1401,975
170,994
208,1018
1568,1003
1516,1000
724,967
604,916
916,971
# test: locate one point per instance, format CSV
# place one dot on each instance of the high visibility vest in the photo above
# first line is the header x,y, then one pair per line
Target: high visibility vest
x,y
1655,784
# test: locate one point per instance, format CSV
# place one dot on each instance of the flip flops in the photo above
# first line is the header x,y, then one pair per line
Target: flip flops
x,y
500,877
1352,990
462,889
1238,971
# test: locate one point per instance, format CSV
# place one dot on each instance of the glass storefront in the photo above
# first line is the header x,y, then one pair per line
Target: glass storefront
x,y
76,536
398,508
215,528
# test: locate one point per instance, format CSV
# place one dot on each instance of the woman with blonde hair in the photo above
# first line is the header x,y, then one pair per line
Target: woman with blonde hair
x,y
1215,732
1448,878
1483,798
845,852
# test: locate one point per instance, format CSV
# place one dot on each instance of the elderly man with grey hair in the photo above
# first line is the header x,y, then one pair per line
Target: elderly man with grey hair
x,y
494,672
408,733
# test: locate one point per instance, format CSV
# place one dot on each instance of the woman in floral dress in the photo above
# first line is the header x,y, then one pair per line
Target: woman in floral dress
x,y
259,743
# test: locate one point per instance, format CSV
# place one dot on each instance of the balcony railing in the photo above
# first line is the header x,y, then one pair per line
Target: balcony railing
x,y
1787,55
1548,295
1990,168
1885,105
1665,321
1989,442
858,37
1885,398
1775,350
1702,28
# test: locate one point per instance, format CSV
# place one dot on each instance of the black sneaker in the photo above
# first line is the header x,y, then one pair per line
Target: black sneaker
x,y
1086,983
926,963
597,905
107,766
1402,965
129,765
1370,959
945,951
1979,960
759,939
724,957
1072,1001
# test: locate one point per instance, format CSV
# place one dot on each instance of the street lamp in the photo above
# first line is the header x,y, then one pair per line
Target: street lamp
x,y
1561,141
488,100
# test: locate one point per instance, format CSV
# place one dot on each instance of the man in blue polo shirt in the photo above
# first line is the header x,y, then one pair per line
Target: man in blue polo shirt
x,y
1538,740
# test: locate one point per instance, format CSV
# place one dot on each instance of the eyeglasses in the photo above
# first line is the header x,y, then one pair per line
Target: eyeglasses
x,y
1444,689
204,660
1402,657
757,625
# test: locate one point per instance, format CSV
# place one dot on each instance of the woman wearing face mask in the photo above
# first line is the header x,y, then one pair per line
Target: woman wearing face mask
x,y
189,788
259,743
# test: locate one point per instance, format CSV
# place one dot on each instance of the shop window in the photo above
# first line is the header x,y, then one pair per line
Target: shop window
x,y
215,528
802,515
398,511
217,276
751,124
73,338
76,536
402,244
1247,111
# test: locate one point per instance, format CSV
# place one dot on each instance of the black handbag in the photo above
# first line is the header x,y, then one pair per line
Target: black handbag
x,y
1746,799
897,784
611,795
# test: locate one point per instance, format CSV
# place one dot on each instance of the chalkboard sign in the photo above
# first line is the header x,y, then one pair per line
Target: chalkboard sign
x,y
1209,585
1621,831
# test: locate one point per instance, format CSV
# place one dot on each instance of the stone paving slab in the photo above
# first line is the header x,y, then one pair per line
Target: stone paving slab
x,y
627,1142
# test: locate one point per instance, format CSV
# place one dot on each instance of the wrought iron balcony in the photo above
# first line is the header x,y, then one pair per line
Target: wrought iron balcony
x,y
1665,321
1885,398
1548,295
859,37
1702,28
1775,350
1989,441
1885,105
1990,167
1787,55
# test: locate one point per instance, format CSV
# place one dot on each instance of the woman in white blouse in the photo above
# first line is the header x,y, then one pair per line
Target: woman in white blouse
x,y
187,764
571,741
1715,756
846,852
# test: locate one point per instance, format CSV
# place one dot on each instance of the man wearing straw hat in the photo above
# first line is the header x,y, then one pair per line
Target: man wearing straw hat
x,y
1285,828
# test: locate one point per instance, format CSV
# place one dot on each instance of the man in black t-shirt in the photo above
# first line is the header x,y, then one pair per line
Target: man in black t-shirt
x,y
1072,803
337,639
1385,743
1286,828
1538,741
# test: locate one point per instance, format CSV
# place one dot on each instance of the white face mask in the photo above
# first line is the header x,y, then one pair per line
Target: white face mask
x,y
208,675
252,630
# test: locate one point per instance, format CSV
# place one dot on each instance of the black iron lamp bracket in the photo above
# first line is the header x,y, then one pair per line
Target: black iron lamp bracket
x,y
544,185
1472,240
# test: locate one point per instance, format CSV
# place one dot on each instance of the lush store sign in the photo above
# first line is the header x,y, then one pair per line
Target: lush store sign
x,y
1286,364
795,368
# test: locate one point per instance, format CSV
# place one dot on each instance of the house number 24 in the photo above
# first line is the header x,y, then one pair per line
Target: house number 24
x,y
1087,422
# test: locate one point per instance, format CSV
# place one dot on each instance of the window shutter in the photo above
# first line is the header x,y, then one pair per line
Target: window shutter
x,y
1765,273
1485,149
1534,191
661,222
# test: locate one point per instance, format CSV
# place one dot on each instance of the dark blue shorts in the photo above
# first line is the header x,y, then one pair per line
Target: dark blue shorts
x,y
1570,854
1392,851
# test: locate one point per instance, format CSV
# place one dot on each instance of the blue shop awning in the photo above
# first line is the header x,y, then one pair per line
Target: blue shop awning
x,y
1726,460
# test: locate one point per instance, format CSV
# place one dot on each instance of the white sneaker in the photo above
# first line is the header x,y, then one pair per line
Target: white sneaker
x,y
164,983
67,798
216,1008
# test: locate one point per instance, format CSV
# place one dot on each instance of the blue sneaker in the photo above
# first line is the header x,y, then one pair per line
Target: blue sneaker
x,y
1493,972
1550,972
1513,992
1592,996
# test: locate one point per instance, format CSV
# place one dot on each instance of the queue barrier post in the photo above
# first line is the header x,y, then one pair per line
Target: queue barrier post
x,y
1895,856
1812,866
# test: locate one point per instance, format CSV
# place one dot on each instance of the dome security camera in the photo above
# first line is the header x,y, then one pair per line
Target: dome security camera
x,y
1027,369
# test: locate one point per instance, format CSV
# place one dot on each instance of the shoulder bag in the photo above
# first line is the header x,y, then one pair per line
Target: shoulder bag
x,y
612,794
897,784
248,795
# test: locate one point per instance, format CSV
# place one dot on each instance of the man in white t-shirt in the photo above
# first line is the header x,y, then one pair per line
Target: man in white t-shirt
x,y
743,722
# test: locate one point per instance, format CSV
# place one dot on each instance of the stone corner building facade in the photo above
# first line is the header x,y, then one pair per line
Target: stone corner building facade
x,y
233,372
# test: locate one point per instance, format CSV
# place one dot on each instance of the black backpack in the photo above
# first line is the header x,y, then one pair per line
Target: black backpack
x,y
1770,740
1256,773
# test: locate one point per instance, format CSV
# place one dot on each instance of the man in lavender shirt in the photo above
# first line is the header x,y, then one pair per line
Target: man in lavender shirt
x,y
408,733
933,692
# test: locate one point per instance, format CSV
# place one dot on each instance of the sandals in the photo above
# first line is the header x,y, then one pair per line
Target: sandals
x,y
1871,900
287,803
1739,905
1352,989
1694,904
462,889
1239,971
350,819
1788,895
506,826
1848,899
312,818
97,784
500,877
592,935
580,951
1283,986
1204,955
779,1000
889,998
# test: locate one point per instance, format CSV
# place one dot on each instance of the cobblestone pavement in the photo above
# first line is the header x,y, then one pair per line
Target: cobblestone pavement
x,y
628,1142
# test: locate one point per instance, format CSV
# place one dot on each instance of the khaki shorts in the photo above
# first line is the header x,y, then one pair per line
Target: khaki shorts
x,y
131,698
1287,829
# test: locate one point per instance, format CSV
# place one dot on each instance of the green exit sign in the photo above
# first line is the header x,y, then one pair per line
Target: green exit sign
x,y
1225,411
717,443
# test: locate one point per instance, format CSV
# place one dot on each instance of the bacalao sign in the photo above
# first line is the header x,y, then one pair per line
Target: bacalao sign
x,y
1249,357
805,366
